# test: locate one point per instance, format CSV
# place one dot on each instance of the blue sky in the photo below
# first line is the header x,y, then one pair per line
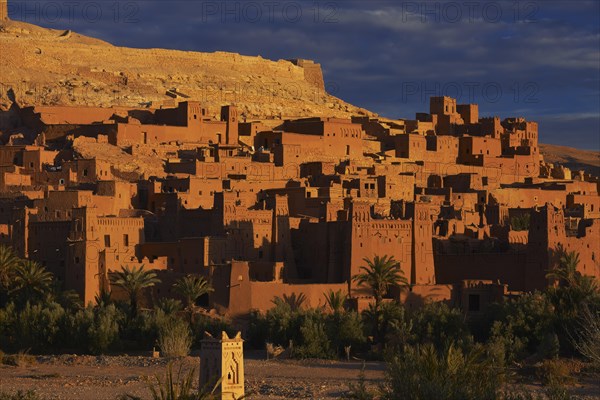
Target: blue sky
x,y
538,59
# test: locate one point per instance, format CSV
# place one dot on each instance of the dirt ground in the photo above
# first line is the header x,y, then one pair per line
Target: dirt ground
x,y
105,378
69,377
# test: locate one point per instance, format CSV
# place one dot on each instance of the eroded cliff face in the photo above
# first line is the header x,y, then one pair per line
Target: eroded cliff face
x,y
50,67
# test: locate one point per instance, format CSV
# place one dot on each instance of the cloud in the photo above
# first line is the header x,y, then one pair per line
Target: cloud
x,y
543,56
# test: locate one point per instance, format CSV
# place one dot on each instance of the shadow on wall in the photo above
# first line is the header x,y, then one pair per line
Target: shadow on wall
x,y
10,121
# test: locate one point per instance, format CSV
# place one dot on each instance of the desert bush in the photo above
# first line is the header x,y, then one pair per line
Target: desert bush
x,y
520,222
176,387
521,395
7,316
283,323
423,372
523,324
549,347
36,327
313,340
20,359
96,329
169,306
20,395
257,334
174,338
104,332
360,391
345,329
141,333
587,340
385,322
68,299
212,325
440,325
554,373
571,295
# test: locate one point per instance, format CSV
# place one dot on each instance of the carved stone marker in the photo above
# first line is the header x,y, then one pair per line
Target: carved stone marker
x,y
223,359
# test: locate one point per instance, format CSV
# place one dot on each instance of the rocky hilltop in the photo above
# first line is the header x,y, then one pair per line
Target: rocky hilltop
x,y
574,159
50,67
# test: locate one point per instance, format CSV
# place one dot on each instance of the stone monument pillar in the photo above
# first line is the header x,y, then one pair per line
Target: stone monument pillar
x,y
223,359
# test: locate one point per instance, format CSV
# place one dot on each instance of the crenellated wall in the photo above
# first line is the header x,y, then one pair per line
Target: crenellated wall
x,y
313,73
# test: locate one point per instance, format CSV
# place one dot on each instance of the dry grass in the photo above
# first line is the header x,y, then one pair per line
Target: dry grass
x,y
175,339
20,359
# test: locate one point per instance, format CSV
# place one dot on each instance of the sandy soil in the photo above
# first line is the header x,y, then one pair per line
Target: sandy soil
x,y
71,377
102,378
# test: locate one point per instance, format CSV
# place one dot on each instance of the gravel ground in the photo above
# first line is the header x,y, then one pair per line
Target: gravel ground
x,y
107,377
72,377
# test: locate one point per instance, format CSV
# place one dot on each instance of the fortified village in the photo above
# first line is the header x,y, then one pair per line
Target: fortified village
x,y
264,208
263,212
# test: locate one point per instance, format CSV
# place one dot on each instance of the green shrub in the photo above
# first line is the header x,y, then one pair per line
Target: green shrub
x,y
521,395
104,333
141,333
257,334
360,391
523,325
422,372
386,323
283,323
214,326
174,338
37,327
30,395
440,325
313,342
555,373
572,294
169,306
520,222
345,329
177,387
95,330
549,347
20,359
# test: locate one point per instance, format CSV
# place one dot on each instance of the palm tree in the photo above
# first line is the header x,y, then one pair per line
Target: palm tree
x,y
379,275
335,300
573,290
31,281
169,306
8,263
566,274
191,287
103,299
133,281
294,301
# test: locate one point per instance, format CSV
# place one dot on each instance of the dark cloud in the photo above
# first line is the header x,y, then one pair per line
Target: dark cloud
x,y
534,58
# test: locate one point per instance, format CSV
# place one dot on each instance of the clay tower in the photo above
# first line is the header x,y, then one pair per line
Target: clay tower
x,y
3,10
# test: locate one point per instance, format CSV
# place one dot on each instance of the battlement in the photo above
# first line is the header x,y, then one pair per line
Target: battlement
x,y
312,72
442,105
